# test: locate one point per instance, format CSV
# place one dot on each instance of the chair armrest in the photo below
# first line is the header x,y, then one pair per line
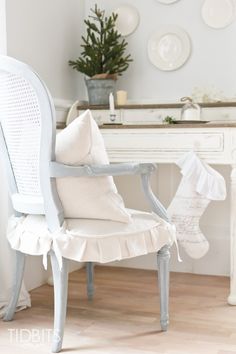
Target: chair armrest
x,y
60,170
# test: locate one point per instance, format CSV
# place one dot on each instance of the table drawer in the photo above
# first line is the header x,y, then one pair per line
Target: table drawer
x,y
168,141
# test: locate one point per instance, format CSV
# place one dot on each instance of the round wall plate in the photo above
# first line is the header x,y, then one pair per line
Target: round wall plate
x,y
128,19
167,2
169,48
218,13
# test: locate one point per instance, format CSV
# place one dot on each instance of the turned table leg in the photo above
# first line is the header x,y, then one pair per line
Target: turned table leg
x,y
232,295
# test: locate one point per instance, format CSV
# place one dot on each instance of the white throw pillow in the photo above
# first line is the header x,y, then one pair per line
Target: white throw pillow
x,y
81,143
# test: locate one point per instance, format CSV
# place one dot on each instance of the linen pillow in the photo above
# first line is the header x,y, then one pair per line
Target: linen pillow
x,y
81,143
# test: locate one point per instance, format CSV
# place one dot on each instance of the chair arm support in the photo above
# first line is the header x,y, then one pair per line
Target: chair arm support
x,y
60,170
154,203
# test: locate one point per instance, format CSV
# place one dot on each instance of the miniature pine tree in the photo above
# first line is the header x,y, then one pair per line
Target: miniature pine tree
x,y
103,52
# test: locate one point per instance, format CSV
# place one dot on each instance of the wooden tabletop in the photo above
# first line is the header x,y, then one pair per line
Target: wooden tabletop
x,y
83,107
232,124
174,126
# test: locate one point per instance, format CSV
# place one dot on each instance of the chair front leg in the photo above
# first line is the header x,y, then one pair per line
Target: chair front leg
x,y
18,277
60,279
163,257
90,280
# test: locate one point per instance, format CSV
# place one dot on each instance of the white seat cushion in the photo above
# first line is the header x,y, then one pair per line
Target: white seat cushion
x,y
81,143
92,240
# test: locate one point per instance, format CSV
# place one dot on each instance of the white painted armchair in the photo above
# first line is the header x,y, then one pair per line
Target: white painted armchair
x,y
27,137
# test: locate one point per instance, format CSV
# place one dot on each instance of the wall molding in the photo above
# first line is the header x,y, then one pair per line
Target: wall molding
x,y
3,29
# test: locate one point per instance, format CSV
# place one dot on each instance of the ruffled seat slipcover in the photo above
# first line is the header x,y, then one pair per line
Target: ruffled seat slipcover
x,y
91,240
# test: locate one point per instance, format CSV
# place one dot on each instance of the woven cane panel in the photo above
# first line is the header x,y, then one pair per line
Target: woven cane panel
x,y
21,122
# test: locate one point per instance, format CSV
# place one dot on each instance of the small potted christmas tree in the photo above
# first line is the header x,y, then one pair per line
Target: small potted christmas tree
x,y
103,58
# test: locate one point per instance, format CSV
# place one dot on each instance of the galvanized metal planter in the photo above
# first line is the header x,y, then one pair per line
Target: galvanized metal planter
x,y
99,90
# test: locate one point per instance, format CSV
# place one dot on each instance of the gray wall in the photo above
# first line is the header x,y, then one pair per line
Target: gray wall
x,y
46,34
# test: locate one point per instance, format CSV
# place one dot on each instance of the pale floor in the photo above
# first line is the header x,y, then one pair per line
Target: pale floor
x,y
124,317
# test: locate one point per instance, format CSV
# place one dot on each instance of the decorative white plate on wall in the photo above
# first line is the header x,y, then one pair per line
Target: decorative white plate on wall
x,y
128,19
169,48
218,13
167,2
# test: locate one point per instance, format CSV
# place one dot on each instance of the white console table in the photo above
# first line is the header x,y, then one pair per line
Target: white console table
x,y
159,143
215,142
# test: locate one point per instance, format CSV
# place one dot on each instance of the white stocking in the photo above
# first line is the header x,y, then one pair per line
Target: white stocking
x,y
199,185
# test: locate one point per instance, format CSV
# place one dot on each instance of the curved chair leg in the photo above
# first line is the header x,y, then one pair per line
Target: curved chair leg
x,y
90,278
163,257
60,279
18,277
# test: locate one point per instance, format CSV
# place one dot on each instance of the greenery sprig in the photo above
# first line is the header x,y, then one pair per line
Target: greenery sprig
x,y
169,120
104,50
